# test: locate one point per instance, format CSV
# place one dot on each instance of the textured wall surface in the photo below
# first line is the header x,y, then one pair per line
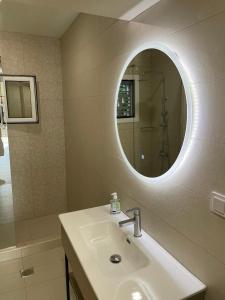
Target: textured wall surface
x,y
176,210
37,151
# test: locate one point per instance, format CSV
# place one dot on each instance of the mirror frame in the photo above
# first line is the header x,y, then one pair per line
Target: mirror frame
x,y
187,83
34,101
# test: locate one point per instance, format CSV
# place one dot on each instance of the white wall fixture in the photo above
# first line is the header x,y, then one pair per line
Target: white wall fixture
x,y
217,204
191,114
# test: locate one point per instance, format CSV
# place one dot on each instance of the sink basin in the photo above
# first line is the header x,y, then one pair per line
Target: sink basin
x,y
105,239
133,290
146,270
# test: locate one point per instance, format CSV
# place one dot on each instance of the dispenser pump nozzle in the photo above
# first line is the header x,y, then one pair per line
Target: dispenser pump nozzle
x,y
114,196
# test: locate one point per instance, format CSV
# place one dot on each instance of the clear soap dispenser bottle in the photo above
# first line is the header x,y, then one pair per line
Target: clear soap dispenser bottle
x,y
114,204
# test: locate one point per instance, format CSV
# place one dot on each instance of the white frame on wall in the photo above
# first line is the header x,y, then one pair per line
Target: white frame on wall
x,y
191,117
34,104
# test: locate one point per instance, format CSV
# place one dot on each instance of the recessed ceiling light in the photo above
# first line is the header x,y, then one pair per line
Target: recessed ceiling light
x,y
138,9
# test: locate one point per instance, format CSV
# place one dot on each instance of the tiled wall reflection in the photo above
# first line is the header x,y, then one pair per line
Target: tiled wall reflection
x,y
37,150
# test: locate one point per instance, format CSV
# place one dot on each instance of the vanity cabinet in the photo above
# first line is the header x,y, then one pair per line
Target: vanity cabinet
x,y
77,278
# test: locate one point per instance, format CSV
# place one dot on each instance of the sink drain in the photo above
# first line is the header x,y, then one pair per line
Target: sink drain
x,y
115,258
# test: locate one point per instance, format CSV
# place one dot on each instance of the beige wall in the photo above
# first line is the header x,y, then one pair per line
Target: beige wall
x,y
175,211
37,150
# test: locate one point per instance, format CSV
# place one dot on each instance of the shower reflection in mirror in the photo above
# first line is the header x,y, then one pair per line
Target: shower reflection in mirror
x,y
151,113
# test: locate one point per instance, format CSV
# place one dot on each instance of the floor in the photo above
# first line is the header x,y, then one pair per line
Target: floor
x,y
7,234
48,280
38,246
37,230
29,231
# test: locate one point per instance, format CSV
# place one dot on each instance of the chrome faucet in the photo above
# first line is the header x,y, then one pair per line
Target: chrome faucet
x,y
136,220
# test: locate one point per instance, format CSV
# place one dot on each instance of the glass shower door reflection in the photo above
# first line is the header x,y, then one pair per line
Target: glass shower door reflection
x,y
7,226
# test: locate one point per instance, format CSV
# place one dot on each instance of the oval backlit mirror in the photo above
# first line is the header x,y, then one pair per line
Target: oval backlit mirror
x,y
151,113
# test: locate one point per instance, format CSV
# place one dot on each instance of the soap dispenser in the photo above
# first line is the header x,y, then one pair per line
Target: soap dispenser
x,y
114,204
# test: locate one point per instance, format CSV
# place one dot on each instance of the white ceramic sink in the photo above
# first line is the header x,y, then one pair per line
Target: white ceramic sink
x,y
146,270
105,239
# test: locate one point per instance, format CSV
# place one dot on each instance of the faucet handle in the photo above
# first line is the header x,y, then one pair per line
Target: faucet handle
x,y
136,210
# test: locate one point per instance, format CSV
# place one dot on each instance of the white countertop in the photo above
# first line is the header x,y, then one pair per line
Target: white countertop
x,y
159,277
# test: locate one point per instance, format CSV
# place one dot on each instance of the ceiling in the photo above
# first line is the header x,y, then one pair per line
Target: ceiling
x,y
53,17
